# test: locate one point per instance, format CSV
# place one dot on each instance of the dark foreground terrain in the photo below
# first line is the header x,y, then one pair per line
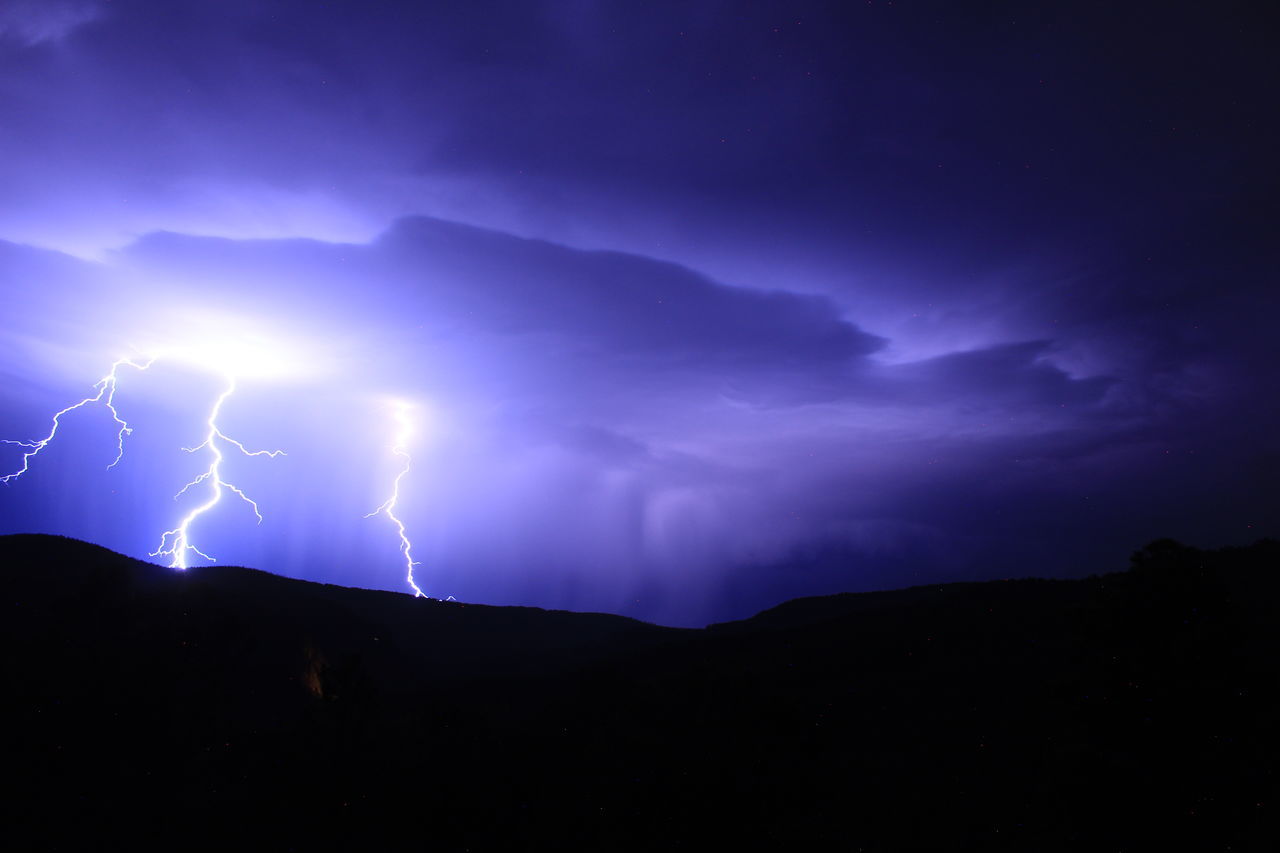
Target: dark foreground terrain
x,y
145,708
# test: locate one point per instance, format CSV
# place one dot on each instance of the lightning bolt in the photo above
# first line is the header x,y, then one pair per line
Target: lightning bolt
x,y
389,505
176,543
105,389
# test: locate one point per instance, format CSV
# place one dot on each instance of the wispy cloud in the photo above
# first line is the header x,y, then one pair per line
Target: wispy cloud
x,y
34,22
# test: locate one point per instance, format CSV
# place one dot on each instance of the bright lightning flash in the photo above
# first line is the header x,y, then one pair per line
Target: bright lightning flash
x,y
218,356
388,507
176,543
225,356
106,395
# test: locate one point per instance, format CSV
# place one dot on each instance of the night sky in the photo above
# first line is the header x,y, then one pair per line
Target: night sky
x,y
694,307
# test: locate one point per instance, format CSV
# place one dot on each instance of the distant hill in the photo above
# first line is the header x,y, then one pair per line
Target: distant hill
x,y
146,707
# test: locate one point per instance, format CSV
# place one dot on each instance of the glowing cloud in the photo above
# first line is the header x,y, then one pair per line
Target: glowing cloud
x,y
228,344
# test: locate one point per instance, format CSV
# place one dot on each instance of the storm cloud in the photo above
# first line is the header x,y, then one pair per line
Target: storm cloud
x,y
697,307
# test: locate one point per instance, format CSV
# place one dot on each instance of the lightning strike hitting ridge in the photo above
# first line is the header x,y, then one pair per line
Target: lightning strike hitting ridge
x,y
388,507
106,394
176,543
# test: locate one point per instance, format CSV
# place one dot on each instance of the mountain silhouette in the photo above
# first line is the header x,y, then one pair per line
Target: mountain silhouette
x,y
147,707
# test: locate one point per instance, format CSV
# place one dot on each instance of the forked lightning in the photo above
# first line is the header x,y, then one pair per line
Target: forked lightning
x,y
176,543
399,448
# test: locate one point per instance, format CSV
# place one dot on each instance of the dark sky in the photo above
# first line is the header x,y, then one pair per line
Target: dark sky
x,y
697,306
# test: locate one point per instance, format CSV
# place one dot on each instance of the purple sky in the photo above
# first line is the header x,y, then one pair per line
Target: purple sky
x,y
699,306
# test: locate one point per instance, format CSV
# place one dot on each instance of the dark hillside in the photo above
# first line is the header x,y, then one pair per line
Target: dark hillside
x,y
1125,712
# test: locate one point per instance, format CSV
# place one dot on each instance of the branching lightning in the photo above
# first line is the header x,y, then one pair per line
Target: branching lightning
x,y
389,505
176,543
105,389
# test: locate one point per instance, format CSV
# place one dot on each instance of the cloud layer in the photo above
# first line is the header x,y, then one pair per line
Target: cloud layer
x,y
598,429
698,307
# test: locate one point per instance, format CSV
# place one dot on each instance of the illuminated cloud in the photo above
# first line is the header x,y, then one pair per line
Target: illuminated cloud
x,y
905,291
601,423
